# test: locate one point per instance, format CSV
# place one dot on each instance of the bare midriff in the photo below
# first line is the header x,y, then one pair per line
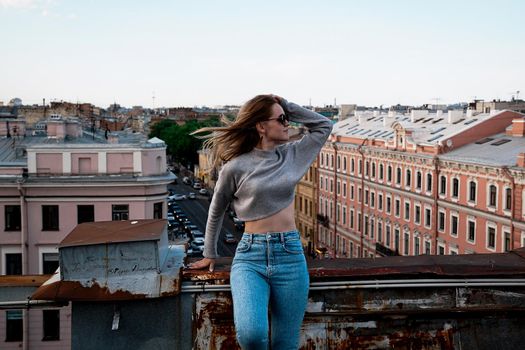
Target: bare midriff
x,y
282,221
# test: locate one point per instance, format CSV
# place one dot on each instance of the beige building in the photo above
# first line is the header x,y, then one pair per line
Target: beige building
x,y
306,207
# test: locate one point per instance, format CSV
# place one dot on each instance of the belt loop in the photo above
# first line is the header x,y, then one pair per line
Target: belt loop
x,y
281,235
251,238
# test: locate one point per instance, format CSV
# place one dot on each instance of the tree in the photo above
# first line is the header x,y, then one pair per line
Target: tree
x,y
181,145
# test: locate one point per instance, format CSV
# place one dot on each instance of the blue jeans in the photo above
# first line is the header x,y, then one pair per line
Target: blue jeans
x,y
269,270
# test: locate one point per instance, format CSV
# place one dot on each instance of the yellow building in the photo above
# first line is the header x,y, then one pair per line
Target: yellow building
x,y
306,207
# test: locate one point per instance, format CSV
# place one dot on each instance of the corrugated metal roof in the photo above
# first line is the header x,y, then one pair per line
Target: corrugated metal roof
x,y
114,231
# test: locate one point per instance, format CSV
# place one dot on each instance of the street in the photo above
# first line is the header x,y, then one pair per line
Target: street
x,y
197,212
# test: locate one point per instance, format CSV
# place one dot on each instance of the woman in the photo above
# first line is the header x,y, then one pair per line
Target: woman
x,y
260,171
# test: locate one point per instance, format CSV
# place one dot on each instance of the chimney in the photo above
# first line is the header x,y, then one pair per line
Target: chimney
x,y
454,116
439,113
417,113
521,160
517,128
470,113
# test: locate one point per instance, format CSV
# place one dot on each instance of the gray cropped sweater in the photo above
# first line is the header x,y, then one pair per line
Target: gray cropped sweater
x,y
261,183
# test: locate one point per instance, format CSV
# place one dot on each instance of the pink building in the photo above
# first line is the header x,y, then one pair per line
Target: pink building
x,y
50,184
423,184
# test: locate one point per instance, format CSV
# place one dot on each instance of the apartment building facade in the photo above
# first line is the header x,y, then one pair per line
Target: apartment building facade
x,y
50,184
422,184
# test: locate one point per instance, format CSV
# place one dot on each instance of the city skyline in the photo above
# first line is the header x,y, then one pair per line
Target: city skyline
x,y
206,53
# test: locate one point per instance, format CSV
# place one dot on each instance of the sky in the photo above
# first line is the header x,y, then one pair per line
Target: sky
x,y
204,52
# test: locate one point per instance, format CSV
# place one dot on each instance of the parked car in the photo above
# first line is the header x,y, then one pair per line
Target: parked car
x,y
173,225
229,238
186,180
203,191
177,197
197,245
190,227
239,224
197,234
192,195
197,185
170,217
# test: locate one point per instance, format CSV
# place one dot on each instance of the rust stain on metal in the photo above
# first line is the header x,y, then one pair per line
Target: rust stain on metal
x,y
75,291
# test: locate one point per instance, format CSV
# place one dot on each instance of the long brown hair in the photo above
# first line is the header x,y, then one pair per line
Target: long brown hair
x,y
239,136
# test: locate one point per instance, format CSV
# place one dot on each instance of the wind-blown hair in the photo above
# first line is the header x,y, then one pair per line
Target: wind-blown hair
x,y
239,136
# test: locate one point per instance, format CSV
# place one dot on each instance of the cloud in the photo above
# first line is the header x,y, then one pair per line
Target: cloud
x,y
20,4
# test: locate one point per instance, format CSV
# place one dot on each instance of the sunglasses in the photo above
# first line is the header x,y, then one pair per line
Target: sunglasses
x,y
283,119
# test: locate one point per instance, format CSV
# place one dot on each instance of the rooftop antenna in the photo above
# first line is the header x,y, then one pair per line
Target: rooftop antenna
x,y
153,98
436,99
517,96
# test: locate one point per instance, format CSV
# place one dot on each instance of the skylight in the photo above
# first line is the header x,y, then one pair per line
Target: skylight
x,y
500,142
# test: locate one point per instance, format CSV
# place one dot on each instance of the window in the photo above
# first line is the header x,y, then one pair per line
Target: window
x,y
428,216
359,195
372,199
367,195
14,325
344,189
454,221
13,264
441,249
344,163
441,221
398,176
427,247
491,237
379,231
85,213
416,245
408,178
429,182
388,205
359,167
51,323
373,170
455,187
338,190
508,198
49,263
387,236
120,212
367,168
359,222
380,201
331,185
352,192
406,243
443,185
407,211
396,240
397,208
381,170
417,214
12,218
50,218
471,230
352,218
338,165
157,210
506,242
419,180
493,195
352,165
472,191
389,174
